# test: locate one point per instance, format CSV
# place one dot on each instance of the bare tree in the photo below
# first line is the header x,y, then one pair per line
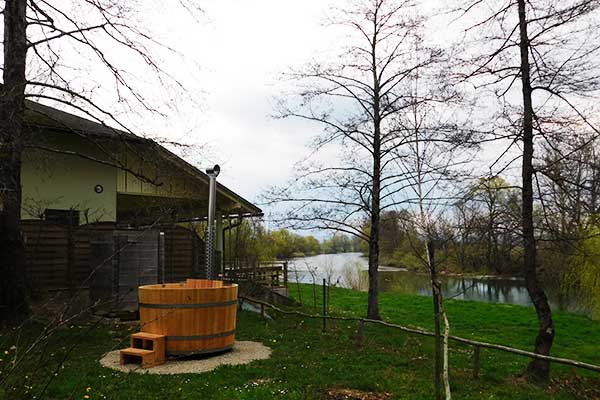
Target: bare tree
x,y
568,219
351,176
551,48
41,43
491,199
432,163
425,224
12,104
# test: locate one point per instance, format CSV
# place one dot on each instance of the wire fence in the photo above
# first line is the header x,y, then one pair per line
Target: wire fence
x,y
325,316
476,344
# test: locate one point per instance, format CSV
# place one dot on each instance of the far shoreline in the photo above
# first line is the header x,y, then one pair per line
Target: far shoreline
x,y
389,268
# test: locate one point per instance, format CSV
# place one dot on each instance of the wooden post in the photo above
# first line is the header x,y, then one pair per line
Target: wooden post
x,y
324,305
285,274
161,259
71,257
360,333
195,263
262,311
314,287
328,295
116,265
172,254
476,356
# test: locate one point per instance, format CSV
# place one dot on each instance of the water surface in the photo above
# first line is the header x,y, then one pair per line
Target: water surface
x,y
350,269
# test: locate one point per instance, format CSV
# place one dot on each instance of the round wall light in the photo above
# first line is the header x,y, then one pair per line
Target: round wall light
x,y
98,189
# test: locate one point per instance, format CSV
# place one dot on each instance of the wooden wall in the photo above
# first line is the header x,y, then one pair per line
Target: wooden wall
x,y
166,180
58,256
123,260
184,254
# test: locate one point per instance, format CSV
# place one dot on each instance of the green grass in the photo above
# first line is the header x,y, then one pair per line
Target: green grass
x,y
306,363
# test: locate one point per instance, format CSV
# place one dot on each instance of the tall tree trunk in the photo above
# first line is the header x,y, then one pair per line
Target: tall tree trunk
x,y
13,299
373,301
537,369
435,288
373,306
446,367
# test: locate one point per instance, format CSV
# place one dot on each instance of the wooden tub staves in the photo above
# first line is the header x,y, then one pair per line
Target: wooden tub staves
x,y
197,316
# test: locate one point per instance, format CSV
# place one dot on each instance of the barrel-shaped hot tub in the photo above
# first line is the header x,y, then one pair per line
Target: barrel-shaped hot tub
x,y
196,316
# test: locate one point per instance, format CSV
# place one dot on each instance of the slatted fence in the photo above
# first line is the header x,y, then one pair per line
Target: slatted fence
x,y
184,254
58,257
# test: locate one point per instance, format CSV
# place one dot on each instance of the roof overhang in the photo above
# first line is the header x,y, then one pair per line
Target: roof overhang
x,y
42,117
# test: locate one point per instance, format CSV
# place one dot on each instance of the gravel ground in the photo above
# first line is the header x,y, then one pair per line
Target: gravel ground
x,y
243,352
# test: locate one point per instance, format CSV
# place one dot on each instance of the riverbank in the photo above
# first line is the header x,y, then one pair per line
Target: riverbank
x,y
308,364
349,270
361,259
577,336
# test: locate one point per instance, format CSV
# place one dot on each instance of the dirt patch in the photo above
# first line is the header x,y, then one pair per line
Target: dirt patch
x,y
243,352
577,386
351,394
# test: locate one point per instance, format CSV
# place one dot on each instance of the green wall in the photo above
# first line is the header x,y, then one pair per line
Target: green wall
x,y
64,181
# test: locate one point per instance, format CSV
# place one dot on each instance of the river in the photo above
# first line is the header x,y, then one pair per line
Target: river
x,y
349,270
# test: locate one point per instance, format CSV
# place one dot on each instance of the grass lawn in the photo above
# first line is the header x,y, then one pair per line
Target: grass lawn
x,y
306,363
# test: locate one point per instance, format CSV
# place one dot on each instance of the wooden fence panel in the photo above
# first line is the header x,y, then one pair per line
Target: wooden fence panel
x,y
58,256
46,254
184,254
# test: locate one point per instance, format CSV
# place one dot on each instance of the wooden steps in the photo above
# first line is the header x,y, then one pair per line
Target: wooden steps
x,y
146,358
147,349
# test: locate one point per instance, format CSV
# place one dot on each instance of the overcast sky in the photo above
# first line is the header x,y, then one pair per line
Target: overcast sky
x,y
229,58
234,55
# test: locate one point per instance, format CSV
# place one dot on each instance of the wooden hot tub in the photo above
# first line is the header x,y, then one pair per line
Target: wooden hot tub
x,y
197,316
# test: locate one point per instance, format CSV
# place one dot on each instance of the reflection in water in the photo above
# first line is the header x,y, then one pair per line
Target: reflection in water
x,y
498,290
334,268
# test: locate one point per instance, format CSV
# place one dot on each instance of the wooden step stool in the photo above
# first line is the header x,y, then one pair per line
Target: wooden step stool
x,y
147,349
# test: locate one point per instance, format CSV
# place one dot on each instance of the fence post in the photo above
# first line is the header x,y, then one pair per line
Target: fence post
x,y
116,265
262,311
476,356
285,275
328,294
70,258
324,305
360,332
161,258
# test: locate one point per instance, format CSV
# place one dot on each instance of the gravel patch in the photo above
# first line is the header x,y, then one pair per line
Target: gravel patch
x,y
243,352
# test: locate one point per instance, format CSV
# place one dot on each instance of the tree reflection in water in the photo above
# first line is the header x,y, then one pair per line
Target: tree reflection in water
x,y
489,289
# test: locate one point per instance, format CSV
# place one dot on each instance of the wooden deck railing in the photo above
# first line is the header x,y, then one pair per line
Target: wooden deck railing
x,y
272,273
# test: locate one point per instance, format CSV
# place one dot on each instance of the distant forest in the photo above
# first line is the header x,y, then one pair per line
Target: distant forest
x,y
251,241
478,235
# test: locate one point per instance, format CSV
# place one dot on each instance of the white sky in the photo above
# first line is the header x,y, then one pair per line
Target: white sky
x,y
229,59
235,55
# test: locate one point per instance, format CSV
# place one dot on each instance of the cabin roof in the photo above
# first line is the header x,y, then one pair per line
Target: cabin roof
x,y
41,116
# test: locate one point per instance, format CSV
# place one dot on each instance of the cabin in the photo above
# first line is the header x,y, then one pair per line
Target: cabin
x,y
89,191
80,169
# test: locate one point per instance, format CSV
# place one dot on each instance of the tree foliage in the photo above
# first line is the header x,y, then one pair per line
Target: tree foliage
x,y
584,273
249,242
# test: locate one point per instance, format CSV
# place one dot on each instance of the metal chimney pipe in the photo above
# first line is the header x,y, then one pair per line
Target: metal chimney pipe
x,y
211,267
